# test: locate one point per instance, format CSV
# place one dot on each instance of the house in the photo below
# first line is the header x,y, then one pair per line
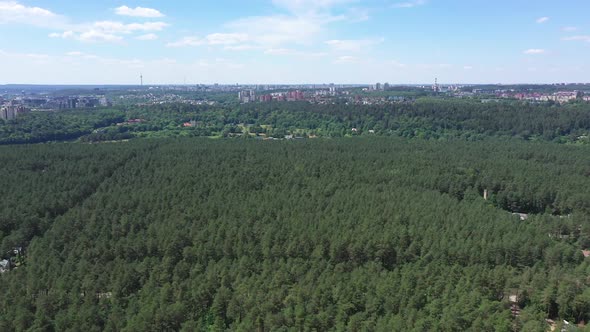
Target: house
x,y
586,253
106,295
131,122
566,326
4,265
522,216
190,124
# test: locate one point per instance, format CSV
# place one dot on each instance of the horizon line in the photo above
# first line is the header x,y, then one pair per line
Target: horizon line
x,y
286,84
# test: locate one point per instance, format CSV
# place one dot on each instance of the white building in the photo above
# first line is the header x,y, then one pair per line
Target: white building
x,y
4,265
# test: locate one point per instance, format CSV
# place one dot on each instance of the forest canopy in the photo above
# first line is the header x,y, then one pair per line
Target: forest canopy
x,y
385,234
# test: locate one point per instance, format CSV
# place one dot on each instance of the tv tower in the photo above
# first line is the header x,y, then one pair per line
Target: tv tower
x,y
141,79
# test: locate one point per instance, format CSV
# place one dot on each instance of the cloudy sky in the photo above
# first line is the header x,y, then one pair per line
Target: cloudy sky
x,y
294,41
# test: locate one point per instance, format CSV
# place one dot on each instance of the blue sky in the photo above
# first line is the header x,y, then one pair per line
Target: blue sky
x,y
294,41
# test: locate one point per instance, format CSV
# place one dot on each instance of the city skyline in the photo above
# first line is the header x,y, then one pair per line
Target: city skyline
x,y
293,42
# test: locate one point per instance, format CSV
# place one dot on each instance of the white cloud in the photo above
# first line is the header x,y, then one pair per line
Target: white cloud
x,y
305,20
346,59
541,20
241,47
121,28
322,12
91,35
187,41
271,31
302,24
109,31
149,36
98,35
292,52
13,9
226,38
279,51
585,38
265,32
534,51
569,29
242,42
352,45
14,12
409,4
138,12
310,6
468,67
65,34
78,54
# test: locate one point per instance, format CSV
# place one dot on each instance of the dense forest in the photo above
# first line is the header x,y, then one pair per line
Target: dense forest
x,y
38,127
428,118
364,234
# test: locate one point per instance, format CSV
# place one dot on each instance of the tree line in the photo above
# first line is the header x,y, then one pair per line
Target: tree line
x,y
428,118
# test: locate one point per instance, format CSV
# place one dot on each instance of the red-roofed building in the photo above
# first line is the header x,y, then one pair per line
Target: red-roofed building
x,y
266,98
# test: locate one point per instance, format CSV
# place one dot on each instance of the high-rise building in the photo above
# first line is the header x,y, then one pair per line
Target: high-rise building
x,y
295,95
378,86
104,101
10,112
247,96
265,98
436,87
72,102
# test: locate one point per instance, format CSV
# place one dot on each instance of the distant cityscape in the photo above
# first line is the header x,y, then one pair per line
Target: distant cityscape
x,y
11,108
323,94
14,102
